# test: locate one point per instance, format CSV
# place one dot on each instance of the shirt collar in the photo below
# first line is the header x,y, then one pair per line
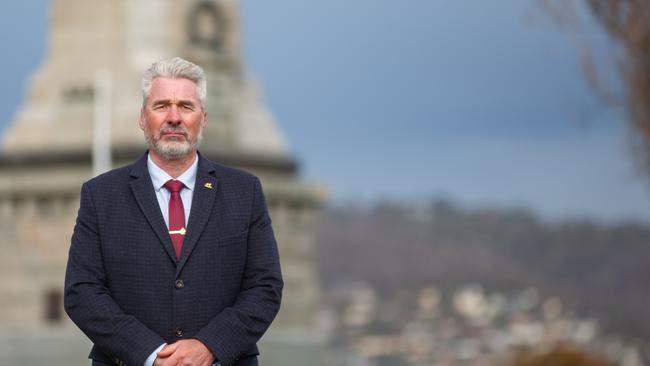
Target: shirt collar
x,y
159,177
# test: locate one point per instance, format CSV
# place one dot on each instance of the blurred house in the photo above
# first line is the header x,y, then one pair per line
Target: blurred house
x,y
96,56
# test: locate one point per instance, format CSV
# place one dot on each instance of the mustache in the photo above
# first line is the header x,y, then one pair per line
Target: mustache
x,y
177,129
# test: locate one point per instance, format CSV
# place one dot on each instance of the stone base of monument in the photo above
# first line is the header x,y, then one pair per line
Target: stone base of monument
x,y
65,346
56,346
293,347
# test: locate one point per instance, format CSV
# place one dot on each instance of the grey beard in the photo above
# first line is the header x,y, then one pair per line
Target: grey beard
x,y
174,150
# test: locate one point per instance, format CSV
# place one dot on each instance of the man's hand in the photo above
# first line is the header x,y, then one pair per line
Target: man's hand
x,y
186,352
165,352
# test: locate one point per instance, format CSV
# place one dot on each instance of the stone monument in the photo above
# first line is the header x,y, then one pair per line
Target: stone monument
x,y
47,152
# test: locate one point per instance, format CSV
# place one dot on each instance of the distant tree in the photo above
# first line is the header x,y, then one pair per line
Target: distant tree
x,y
561,355
628,23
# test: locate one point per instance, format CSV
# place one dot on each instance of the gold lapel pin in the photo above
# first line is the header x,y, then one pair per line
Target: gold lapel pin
x,y
208,185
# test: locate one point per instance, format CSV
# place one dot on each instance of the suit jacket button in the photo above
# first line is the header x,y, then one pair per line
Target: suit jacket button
x,y
179,284
178,333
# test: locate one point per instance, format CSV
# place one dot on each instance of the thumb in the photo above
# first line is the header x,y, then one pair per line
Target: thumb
x,y
167,350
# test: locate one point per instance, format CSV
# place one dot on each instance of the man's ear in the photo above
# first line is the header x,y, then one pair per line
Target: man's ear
x,y
204,122
141,120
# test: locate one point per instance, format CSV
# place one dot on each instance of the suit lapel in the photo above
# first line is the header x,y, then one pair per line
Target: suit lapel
x,y
205,192
143,192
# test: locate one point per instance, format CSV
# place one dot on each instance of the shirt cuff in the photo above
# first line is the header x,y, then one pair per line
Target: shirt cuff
x,y
152,357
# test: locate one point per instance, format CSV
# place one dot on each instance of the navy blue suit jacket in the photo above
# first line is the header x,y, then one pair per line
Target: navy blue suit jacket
x,y
127,292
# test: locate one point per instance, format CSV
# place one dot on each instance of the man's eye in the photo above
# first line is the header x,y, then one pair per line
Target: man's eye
x,y
187,107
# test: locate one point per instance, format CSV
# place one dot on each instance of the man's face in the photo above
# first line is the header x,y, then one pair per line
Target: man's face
x,y
173,118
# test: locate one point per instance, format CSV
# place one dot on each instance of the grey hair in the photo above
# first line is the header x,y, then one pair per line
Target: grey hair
x,y
176,68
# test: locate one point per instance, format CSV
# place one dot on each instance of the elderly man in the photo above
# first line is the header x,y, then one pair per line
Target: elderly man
x,y
173,260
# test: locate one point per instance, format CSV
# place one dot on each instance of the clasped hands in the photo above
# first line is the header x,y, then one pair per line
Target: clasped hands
x,y
186,352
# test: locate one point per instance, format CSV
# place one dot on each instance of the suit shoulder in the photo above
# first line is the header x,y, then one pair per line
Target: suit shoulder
x,y
232,174
110,177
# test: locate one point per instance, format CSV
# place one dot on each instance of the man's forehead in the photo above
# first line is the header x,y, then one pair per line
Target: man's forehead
x,y
166,88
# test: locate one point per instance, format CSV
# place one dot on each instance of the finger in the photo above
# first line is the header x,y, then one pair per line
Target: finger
x,y
161,361
164,362
167,350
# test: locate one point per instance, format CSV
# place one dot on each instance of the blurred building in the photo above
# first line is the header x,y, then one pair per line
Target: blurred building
x,y
96,56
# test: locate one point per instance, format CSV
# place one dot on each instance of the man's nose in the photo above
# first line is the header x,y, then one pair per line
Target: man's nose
x,y
173,116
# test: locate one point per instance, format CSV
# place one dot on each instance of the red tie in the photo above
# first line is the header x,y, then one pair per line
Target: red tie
x,y
176,215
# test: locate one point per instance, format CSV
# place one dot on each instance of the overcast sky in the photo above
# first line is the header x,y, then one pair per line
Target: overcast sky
x,y
484,103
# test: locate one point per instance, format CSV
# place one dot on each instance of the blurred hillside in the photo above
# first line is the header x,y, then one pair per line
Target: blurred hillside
x,y
597,270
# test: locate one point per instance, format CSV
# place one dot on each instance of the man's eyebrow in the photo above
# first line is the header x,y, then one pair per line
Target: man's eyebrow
x,y
169,101
161,101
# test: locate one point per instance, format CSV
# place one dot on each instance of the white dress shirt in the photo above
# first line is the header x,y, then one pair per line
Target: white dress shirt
x,y
159,177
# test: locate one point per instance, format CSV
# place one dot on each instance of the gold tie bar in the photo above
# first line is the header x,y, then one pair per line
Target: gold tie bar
x,y
182,231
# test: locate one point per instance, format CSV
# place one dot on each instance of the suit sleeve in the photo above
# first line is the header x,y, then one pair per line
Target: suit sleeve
x,y
88,300
239,327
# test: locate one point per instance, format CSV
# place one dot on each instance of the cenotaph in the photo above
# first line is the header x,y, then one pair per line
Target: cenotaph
x,y
97,51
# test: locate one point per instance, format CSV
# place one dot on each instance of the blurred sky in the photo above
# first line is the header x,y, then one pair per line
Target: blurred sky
x,y
482,102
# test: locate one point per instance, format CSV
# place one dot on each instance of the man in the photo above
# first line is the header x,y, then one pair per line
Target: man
x,y
173,259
